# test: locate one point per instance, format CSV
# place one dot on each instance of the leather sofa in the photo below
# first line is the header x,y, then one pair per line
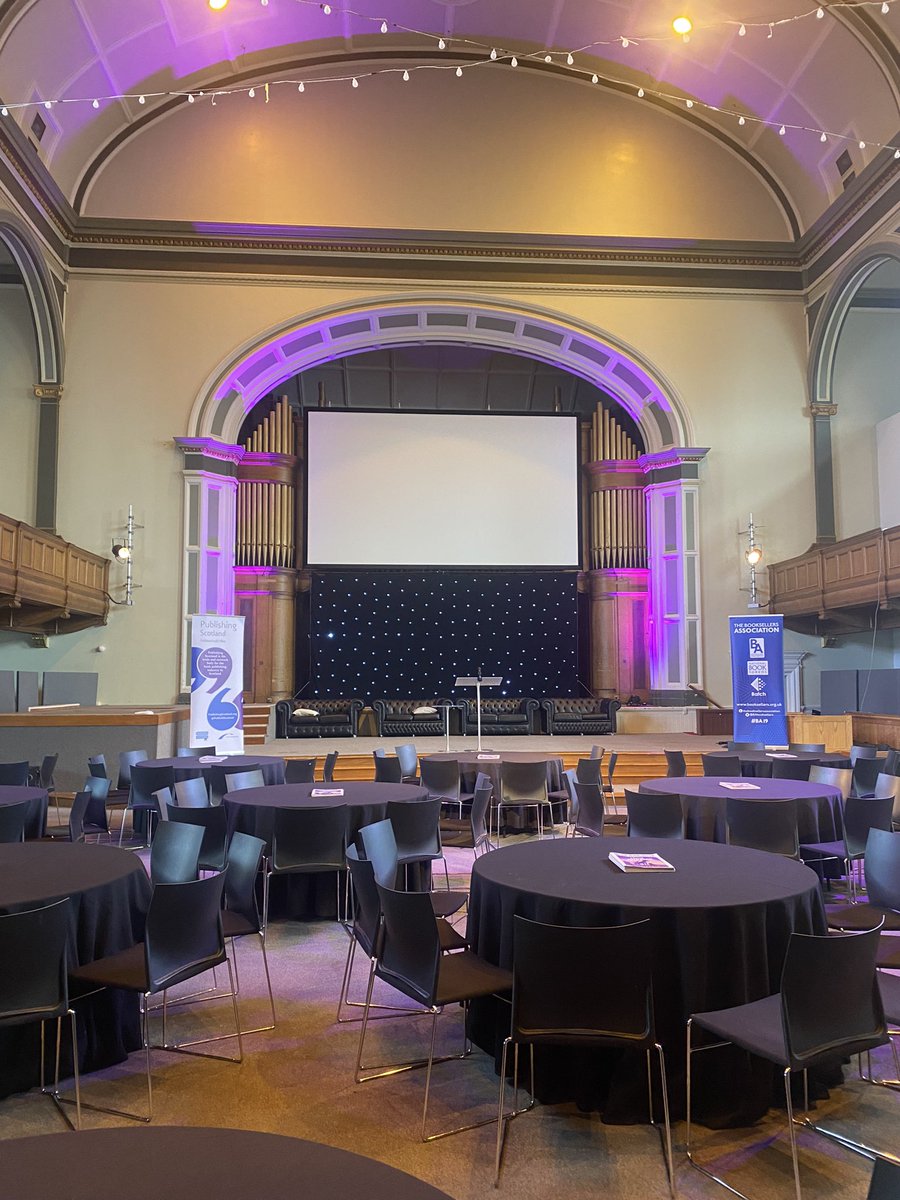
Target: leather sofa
x,y
333,718
398,718
502,717
581,714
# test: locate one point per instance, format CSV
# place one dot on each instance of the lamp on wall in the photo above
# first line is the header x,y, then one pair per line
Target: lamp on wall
x,y
123,552
753,557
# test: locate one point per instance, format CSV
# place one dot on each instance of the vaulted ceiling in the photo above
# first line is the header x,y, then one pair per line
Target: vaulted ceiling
x,y
112,70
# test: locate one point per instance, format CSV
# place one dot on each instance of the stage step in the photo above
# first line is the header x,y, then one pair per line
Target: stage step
x,y
256,724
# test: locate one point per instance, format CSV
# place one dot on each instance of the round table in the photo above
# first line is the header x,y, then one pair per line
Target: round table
x,y
819,805
757,764
36,817
490,761
721,924
192,767
181,1164
109,894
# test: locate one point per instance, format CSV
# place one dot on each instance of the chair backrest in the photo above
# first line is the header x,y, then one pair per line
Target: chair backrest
x,y
408,759
721,764
862,815
97,787
367,905
309,839
296,770
882,866
183,934
862,752
164,798
240,781
892,762
746,745
14,774
587,770
97,766
175,853
676,767
328,766
523,782
409,947
416,825
762,825
387,770
12,821
561,984
839,777
33,963
127,760
191,793
213,821
830,1003
77,815
807,747
145,781
790,768
440,777
885,1182
590,808
245,854
654,814
45,774
185,752
569,782
597,751
889,785
478,814
865,775
380,848
611,769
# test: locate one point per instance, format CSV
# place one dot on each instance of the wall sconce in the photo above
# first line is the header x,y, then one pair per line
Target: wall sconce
x,y
753,557
123,552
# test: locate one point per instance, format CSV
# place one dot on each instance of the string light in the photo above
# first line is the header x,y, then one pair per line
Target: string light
x,y
513,62
493,54
595,79
406,76
384,26
742,121
683,25
442,45
459,72
570,61
354,82
742,32
640,93
95,104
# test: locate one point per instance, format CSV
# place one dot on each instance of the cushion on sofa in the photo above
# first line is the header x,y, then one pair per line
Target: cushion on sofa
x,y
299,713
425,710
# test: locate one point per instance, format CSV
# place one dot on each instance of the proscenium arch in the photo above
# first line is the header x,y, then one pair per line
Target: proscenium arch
x,y
42,300
261,365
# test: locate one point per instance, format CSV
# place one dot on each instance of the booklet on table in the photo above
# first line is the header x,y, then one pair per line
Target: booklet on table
x,y
316,792
640,862
740,787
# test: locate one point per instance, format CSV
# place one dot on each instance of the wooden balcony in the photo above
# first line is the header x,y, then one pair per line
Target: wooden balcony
x,y
48,586
843,588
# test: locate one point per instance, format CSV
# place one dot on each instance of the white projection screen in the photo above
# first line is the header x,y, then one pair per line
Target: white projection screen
x,y
395,489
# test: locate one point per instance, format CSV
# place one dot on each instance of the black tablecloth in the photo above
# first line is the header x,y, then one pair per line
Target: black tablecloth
x,y
721,924
36,818
758,763
109,893
252,810
186,767
471,763
171,1163
819,806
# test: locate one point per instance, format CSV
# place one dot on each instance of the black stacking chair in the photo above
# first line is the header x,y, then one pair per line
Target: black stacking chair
x,y
746,745
96,818
609,792
591,810
42,777
676,767
12,821
881,864
387,770
296,770
524,785
409,959
175,853
380,848
562,996
790,768
441,780
572,812
857,752
885,1182
860,816
865,775
478,813
597,751
33,982
308,841
144,782
73,830
417,830
240,781
769,825
588,770
807,747
165,798
186,752
97,766
721,764
328,766
654,814
409,762
828,1008
213,821
127,760
891,762
191,793
183,939
839,777
116,797
14,774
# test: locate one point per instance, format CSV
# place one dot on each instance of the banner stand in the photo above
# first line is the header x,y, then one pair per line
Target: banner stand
x,y
757,677
217,683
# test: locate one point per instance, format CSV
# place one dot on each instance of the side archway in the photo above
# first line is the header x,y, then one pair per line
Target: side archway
x,y
42,299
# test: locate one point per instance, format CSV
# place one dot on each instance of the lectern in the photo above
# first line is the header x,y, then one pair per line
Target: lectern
x,y
478,682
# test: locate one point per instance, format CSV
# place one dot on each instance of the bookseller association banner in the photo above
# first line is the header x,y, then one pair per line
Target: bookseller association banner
x,y
217,683
757,675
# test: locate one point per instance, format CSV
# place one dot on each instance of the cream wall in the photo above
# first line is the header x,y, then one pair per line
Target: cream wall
x,y
517,153
139,351
18,407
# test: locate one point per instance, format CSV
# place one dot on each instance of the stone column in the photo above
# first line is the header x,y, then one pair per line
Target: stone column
x,y
823,470
48,396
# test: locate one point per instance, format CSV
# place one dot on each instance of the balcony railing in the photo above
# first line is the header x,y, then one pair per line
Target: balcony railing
x,y
48,585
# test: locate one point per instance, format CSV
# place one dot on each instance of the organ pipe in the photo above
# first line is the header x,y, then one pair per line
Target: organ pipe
x,y
618,535
264,536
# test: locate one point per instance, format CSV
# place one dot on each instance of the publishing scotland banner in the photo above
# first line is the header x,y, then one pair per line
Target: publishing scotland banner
x,y
217,683
757,675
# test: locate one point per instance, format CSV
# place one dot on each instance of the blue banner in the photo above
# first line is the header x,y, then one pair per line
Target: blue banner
x,y
757,678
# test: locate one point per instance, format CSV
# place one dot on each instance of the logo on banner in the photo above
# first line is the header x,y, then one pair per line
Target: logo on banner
x,y
756,647
758,668
758,686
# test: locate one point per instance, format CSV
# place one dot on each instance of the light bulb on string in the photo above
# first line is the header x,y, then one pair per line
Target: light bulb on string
x,y
326,9
640,93
493,54
48,104
570,61
823,138
897,154
885,8
95,104
4,111
301,87
820,13
742,32
513,62
442,45
252,93
689,104
595,79
862,145
406,76
384,26
548,58
142,100
742,121
190,98
683,25
782,131
459,72
354,82
625,43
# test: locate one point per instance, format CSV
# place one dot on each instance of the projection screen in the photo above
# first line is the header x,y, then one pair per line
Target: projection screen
x,y
439,489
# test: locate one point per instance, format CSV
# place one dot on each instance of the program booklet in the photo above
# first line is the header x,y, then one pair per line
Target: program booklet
x,y
326,792
640,862
740,787
492,757
213,758
779,754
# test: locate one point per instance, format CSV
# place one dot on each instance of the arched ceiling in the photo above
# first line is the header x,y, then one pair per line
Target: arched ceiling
x,y
838,73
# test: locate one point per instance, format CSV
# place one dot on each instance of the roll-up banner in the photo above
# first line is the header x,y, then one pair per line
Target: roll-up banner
x,y
757,675
217,683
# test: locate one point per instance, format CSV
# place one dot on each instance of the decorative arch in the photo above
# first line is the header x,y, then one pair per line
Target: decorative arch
x,y
42,299
260,365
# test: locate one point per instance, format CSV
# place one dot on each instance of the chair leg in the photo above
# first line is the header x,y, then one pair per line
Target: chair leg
x,y
392,1010
790,1113
54,1092
688,1149
667,1124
